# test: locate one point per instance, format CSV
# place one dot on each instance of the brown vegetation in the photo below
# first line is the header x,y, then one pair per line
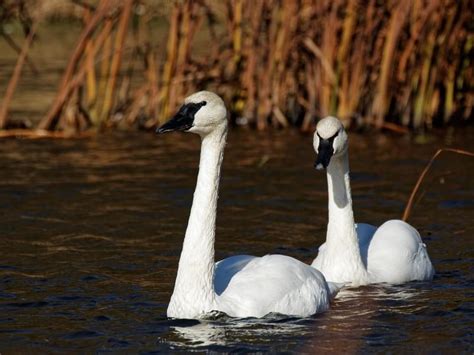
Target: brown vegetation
x,y
278,63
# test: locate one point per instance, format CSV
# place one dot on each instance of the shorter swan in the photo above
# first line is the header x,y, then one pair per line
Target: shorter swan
x,y
240,286
361,254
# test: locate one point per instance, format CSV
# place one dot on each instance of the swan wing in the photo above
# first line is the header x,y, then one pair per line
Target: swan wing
x,y
275,284
365,233
396,254
227,268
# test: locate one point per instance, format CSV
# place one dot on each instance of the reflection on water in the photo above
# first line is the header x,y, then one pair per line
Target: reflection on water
x,y
238,334
92,231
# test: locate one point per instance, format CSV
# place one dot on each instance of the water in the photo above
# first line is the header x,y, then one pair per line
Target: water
x,y
92,231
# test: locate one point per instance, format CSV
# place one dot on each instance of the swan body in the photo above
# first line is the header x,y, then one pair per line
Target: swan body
x,y
243,285
361,253
274,284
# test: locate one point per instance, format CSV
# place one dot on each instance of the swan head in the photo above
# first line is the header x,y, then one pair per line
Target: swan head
x,y
330,139
201,113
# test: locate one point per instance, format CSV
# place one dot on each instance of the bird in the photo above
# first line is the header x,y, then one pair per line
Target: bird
x,y
361,254
242,285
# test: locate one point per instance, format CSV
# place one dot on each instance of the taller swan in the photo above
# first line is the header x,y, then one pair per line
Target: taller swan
x,y
361,254
240,286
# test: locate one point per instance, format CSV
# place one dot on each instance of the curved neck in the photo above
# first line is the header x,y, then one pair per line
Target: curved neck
x,y
194,282
342,245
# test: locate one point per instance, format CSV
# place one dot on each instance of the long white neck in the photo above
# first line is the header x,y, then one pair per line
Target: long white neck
x,y
342,261
194,290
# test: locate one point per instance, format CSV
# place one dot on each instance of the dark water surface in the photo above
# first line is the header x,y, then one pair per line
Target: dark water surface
x,y
92,231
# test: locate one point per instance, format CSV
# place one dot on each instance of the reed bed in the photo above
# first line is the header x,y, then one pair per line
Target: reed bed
x,y
395,64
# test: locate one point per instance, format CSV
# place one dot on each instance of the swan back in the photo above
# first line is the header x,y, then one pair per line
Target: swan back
x,y
396,254
276,284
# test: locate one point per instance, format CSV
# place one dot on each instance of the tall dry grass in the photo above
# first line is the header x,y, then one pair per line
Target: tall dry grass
x,y
278,63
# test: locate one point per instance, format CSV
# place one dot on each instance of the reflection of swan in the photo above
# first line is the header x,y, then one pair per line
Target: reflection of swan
x,y
361,254
240,286
202,334
354,304
234,332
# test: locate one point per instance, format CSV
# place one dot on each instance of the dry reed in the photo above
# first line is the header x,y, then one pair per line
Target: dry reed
x,y
12,84
391,65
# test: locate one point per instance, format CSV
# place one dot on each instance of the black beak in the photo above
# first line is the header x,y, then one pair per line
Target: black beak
x,y
183,120
325,152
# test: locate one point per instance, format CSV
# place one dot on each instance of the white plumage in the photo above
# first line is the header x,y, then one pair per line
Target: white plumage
x,y
272,284
240,286
361,253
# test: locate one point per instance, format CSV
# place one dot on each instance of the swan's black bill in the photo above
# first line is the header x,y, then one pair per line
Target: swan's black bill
x,y
325,152
183,120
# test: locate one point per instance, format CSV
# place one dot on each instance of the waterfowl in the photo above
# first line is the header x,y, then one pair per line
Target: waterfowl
x,y
243,285
361,254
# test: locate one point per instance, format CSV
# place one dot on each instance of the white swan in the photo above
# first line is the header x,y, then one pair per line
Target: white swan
x,y
361,253
240,286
